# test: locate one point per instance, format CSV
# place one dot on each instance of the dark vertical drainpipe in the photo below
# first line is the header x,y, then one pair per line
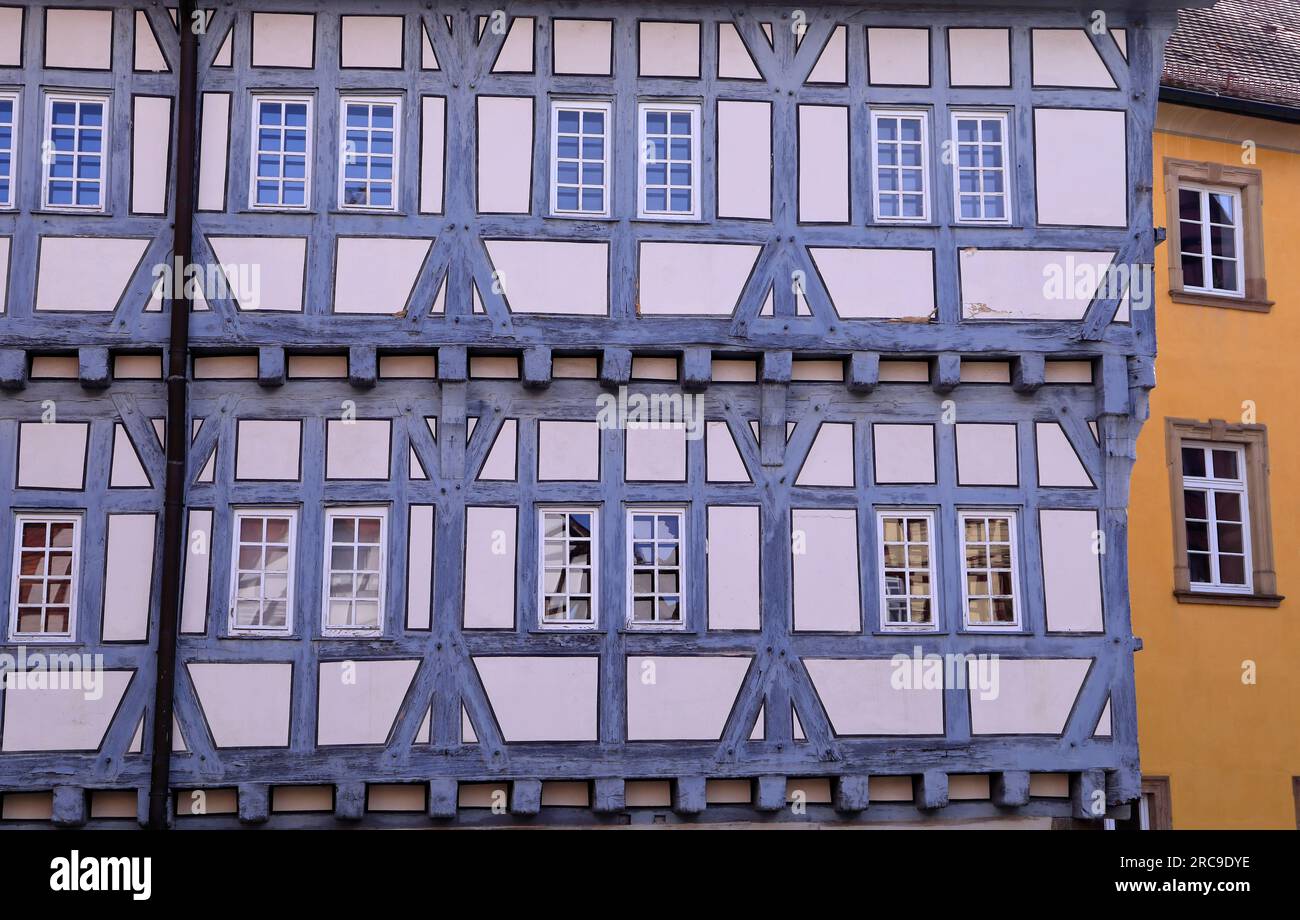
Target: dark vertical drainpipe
x,y
177,423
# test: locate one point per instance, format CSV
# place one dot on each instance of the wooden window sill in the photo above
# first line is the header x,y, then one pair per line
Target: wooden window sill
x,y
1229,600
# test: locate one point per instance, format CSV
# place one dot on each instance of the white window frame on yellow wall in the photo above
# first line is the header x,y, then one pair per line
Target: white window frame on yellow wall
x,y
264,512
931,568
1212,485
1205,255
592,567
353,547
46,518
1015,594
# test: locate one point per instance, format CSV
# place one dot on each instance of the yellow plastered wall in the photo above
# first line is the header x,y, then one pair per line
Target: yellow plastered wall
x,y
1229,748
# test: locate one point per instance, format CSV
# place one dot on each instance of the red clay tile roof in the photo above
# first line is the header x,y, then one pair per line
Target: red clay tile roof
x,y
1247,49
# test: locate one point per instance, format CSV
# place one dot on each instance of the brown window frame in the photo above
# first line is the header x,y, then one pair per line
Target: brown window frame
x,y
1160,811
1254,439
1249,183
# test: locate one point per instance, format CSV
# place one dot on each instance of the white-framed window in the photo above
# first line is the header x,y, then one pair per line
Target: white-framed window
x,y
280,177
261,582
656,544
568,567
8,149
47,564
369,145
981,177
1209,236
988,569
75,152
580,157
908,592
668,177
1216,515
900,164
355,565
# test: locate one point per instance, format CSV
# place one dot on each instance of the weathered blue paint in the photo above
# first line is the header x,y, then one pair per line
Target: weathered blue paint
x,y
446,679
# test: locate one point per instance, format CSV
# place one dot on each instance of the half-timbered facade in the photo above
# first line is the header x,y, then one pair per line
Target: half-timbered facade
x,y
596,411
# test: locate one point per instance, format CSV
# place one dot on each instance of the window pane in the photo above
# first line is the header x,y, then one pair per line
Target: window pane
x,y
1230,540
1224,274
1225,464
1189,237
1194,504
1193,461
1198,565
1232,570
31,564
1227,506
1189,204
1222,208
1223,241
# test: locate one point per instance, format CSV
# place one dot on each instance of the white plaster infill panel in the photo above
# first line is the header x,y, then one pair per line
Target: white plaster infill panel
x,y
744,159
898,57
267,449
1066,57
377,274
371,42
246,704
1023,696
79,39
824,546
86,274
878,283
53,455
1071,570
551,698
979,57
733,567
568,451
1015,284
548,276
683,697
692,279
490,567
669,49
284,40
359,700
263,272
71,714
583,46
1081,167
877,696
